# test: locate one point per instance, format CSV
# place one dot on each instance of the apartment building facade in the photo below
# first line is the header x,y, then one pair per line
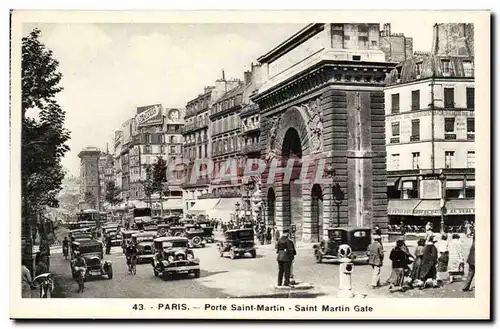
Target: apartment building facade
x,y
430,138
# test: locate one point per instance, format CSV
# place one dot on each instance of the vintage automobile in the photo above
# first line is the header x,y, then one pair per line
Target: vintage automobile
x,y
238,242
92,252
112,231
163,229
145,246
357,238
194,233
151,228
127,235
208,231
73,225
177,231
173,257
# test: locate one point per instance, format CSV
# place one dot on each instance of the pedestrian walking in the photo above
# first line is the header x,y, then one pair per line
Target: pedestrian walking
x,y
417,264
375,254
269,235
276,234
471,261
26,282
399,261
457,259
443,258
429,261
286,254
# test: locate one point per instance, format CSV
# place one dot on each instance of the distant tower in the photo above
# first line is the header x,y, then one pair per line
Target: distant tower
x,y
387,29
89,177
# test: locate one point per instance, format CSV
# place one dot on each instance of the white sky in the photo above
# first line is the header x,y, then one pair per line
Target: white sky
x,y
109,69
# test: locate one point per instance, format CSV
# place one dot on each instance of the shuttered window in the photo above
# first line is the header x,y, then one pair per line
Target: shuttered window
x,y
449,125
395,103
449,97
470,98
415,130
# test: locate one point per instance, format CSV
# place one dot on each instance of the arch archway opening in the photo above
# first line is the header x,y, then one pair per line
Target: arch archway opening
x,y
292,192
316,213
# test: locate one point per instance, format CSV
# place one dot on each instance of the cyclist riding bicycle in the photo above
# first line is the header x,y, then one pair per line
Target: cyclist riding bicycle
x,y
130,253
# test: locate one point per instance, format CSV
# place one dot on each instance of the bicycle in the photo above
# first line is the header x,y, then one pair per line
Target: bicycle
x,y
46,284
132,266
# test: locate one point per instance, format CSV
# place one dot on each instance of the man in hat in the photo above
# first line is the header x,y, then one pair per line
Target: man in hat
x,y
375,254
286,253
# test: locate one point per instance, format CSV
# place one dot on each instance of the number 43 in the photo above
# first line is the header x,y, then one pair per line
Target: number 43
x,y
138,307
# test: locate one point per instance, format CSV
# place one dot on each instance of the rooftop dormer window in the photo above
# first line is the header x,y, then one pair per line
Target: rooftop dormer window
x,y
418,69
446,67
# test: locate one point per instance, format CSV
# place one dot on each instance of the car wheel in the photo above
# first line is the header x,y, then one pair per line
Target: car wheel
x,y
110,273
319,257
165,276
253,253
155,272
196,273
196,241
232,255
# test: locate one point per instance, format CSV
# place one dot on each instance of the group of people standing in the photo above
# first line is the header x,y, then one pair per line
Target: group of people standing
x,y
433,262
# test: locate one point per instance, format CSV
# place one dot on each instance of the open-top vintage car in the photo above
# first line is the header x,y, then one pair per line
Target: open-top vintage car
x,y
208,231
92,252
173,256
194,233
238,242
145,246
357,238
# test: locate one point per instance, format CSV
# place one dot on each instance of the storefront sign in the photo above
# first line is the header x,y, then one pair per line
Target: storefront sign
x,y
396,211
430,189
152,112
427,212
461,211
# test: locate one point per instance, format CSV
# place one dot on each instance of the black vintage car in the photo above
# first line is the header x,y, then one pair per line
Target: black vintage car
x,y
145,246
173,257
194,233
177,230
238,242
208,231
357,238
92,252
111,230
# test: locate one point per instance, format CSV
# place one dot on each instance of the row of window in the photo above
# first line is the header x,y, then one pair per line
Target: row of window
x,y
449,129
226,123
196,138
200,151
227,104
449,160
198,106
449,99
161,139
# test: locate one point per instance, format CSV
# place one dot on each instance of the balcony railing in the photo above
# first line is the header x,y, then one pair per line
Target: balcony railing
x,y
251,127
415,138
450,136
394,140
249,148
197,125
471,136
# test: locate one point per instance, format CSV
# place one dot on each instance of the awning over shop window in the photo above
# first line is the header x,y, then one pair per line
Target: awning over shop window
x,y
203,205
402,207
393,181
428,208
172,204
460,207
455,184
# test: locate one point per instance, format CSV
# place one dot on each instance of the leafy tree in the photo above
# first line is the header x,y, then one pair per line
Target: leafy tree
x,y
148,184
160,179
43,136
112,194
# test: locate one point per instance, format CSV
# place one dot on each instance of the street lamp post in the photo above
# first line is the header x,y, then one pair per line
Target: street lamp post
x,y
237,208
330,172
442,179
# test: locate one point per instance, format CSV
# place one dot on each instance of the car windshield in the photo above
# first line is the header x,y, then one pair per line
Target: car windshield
x,y
335,235
89,249
145,239
174,244
244,234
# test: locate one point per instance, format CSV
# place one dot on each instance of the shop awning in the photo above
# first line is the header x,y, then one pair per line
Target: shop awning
x,y
455,184
393,181
172,204
203,205
460,207
401,207
428,208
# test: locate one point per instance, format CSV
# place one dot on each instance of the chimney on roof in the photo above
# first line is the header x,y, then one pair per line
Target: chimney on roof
x,y
387,29
247,77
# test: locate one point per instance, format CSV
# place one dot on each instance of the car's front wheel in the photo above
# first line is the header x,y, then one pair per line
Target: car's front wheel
x,y
232,254
196,273
253,253
165,276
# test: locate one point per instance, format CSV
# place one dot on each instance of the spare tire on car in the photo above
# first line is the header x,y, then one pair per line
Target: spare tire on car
x,y
196,241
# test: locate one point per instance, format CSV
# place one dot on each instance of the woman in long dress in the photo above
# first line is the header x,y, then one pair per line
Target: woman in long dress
x,y
428,264
443,258
457,260
417,264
